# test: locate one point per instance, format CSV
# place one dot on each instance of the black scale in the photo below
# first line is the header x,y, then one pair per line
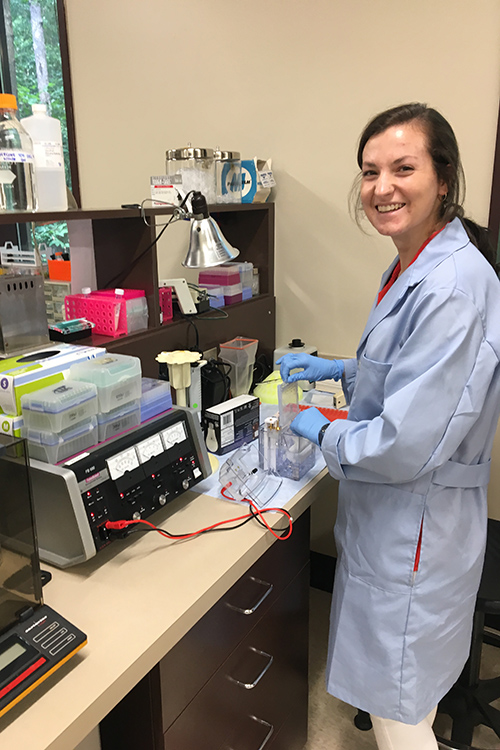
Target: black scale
x,y
34,639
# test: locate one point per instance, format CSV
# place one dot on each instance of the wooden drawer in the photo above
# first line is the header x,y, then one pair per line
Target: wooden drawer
x,y
189,666
262,683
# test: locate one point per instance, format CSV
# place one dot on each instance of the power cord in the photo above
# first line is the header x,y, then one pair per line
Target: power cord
x,y
254,513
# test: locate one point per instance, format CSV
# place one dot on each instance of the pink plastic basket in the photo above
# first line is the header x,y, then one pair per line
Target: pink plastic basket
x,y
166,303
104,312
127,294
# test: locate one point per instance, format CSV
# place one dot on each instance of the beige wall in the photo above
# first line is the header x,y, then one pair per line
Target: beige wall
x,y
291,80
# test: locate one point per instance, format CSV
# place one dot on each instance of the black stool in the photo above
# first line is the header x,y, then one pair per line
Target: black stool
x,y
468,701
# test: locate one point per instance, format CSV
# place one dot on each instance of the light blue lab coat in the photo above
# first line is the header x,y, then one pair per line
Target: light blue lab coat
x,y
424,393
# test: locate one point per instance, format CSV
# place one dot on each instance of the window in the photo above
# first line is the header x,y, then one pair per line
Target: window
x,y
34,66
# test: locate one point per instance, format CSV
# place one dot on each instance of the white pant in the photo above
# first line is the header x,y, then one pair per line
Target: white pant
x,y
394,735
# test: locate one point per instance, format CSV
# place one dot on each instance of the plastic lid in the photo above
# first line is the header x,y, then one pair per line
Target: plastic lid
x,y
39,109
8,101
296,344
59,397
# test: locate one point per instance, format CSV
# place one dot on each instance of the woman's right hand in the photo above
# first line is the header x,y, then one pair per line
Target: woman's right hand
x,y
313,368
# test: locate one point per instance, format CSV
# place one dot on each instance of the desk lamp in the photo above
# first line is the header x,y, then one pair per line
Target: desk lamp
x,y
207,245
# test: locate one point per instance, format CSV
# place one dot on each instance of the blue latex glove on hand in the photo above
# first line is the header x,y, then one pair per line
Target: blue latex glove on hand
x,y
308,423
313,368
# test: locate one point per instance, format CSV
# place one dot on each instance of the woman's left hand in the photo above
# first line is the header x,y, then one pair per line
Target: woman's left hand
x,y
308,423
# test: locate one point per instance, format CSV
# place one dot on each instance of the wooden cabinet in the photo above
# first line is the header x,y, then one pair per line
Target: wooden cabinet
x,y
238,679
125,255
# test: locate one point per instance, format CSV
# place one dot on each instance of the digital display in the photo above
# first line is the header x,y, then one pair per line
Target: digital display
x,y
11,654
122,462
149,448
173,435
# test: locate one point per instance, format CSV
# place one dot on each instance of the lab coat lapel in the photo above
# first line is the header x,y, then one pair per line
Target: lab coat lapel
x,y
451,238
388,302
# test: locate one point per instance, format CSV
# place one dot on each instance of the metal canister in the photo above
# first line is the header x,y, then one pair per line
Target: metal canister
x,y
227,176
196,169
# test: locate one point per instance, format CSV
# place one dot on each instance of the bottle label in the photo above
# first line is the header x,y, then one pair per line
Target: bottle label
x,y
16,155
48,155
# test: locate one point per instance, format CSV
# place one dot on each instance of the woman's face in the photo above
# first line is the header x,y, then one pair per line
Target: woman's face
x,y
400,190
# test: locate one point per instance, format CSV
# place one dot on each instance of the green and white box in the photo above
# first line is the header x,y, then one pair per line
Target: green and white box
x,y
38,369
11,425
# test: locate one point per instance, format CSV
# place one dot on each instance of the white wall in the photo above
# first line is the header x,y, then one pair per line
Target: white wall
x,y
291,80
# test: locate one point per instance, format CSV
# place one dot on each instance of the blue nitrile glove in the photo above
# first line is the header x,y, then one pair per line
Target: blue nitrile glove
x,y
314,368
308,423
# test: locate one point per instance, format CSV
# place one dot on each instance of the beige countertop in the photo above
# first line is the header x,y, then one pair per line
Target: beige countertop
x,y
135,600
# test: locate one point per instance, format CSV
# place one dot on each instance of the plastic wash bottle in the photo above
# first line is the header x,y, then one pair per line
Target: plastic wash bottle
x,y
46,135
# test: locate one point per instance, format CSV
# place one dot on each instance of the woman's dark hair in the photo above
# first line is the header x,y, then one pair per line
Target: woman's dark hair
x,y
445,155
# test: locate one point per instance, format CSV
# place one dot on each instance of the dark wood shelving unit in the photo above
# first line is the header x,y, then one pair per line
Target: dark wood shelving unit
x,y
125,255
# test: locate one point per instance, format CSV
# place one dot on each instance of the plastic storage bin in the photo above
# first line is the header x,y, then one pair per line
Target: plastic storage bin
x,y
117,377
116,421
155,399
240,354
54,447
59,406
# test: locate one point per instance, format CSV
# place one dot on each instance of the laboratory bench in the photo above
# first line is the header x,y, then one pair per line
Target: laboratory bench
x,y
189,642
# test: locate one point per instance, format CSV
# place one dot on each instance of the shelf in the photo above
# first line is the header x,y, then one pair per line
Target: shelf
x,y
44,217
124,251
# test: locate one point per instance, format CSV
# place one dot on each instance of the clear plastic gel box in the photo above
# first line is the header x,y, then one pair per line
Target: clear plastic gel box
x,y
280,450
117,377
59,406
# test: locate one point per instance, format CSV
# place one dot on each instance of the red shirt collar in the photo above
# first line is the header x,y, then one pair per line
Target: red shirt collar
x,y
397,267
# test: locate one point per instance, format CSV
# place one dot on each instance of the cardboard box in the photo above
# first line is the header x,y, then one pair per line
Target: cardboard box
x,y
232,423
30,372
11,425
256,180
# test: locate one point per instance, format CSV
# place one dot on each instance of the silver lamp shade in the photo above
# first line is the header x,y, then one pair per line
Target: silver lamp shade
x,y
207,245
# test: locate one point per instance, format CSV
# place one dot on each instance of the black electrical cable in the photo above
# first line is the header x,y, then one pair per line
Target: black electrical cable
x,y
137,529
119,276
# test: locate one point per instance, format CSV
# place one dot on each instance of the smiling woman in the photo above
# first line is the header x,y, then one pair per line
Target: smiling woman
x,y
413,456
400,190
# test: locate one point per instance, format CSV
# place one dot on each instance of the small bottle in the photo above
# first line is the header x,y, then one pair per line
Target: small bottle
x,y
255,282
17,178
46,134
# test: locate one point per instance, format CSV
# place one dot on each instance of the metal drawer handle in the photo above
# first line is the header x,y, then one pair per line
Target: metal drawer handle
x,y
266,738
251,610
251,685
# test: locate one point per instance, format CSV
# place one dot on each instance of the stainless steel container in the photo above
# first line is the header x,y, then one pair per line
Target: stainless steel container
x,y
23,319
